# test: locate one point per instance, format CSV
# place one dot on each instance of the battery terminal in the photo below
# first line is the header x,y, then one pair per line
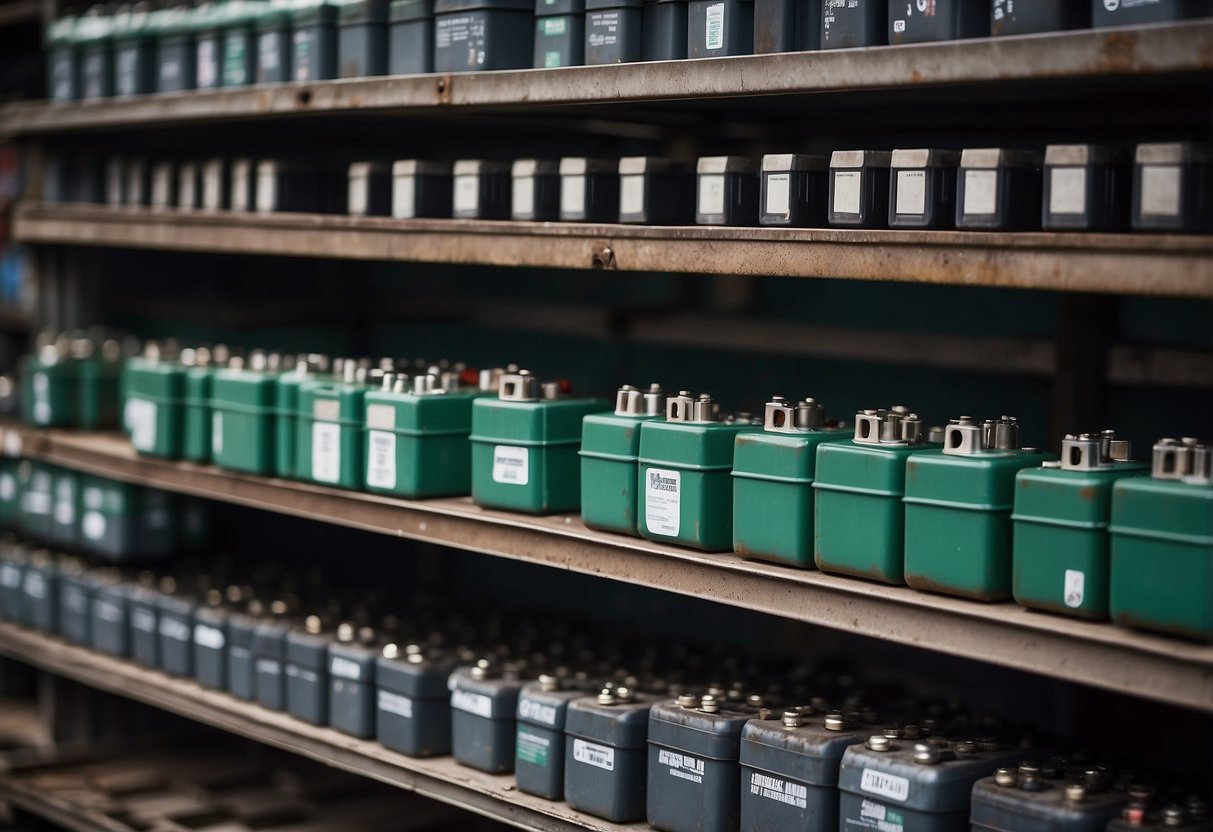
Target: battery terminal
x,y
686,408
782,416
896,426
1187,460
631,401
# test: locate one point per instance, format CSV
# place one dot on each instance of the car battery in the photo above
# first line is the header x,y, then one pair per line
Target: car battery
x,y
922,188
615,33
413,703
50,386
370,189
362,38
153,392
655,191
119,521
998,189
1162,534
684,488
773,473
850,23
410,37
1085,188
605,753
786,26
858,493
716,28
938,20
274,40
241,670
198,417
115,182
539,748
13,561
210,633
794,190
693,772
135,67
95,42
286,412
480,190
789,768
143,613
484,708
63,59
239,43
726,190
589,190
208,49
243,414
138,189
1173,187
1060,544
242,191
110,611
859,188
216,184
313,40
175,625
535,190
9,498
1024,17
421,189
189,186
559,33
1046,795
352,660
610,453
35,484
269,654
1133,12
664,30
915,785
65,508
1188,815
332,416
40,585
75,602
306,668
289,186
173,29
99,367
524,446
483,34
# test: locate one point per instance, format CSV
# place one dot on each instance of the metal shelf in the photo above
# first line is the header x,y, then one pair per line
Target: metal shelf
x,y
1098,654
1146,264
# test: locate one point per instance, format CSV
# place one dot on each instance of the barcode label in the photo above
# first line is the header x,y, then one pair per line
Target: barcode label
x,y
141,422
326,452
600,756
381,463
714,31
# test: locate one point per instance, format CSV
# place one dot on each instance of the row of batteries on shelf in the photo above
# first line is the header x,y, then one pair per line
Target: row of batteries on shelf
x,y
961,510
557,705
1152,187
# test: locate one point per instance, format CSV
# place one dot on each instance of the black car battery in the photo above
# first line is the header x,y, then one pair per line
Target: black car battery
x,y
111,625
362,39
241,662
143,613
175,625
480,190
421,189
726,190
138,189
306,670
41,588
189,186
539,750
665,30
370,189
483,34
1024,17
1046,795
656,191
859,188
13,558
922,188
413,702
352,661
273,29
1085,188
1173,187
605,753
410,37
589,190
484,707
720,27
535,190
794,190
615,33
269,654
76,589
849,23
787,25
1186,815
1133,12
559,33
216,185
933,20
789,768
313,41
998,189
210,640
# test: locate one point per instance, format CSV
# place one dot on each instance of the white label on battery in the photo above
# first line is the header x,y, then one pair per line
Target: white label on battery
x,y
302,674
343,668
42,405
35,584
981,192
326,451
1160,190
394,703
211,187
74,599
467,193
536,711
403,197
778,192
143,619
472,703
140,418
911,192
12,443
36,502
206,636
207,62
779,790
267,48
381,417
572,195
511,465
267,191
662,501
885,785
10,576
92,524
682,766
711,193
381,464
65,512
846,191
94,498
522,198
216,432
174,629
106,611
269,667
358,195
1067,190
1075,584
599,756
713,36
631,194
8,487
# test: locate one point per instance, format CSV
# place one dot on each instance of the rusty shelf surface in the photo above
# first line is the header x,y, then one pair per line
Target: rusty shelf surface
x,y
1093,653
1146,264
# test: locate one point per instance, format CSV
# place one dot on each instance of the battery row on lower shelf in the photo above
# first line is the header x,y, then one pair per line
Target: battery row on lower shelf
x,y
686,757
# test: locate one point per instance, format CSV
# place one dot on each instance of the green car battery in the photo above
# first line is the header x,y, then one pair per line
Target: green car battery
x,y
175,628
1134,12
726,190
352,660
119,521
13,560
483,34
655,191
1060,544
858,492
137,192
410,37
306,668
65,508
789,768
524,446
50,384
135,66
332,416
76,591
153,402
243,419
241,664
859,188
786,26
41,587
615,33
559,33
110,611
694,773
286,412
589,190
539,748
720,27
958,504
313,40
610,454
176,43
10,497
189,186
773,482
362,39
1047,795
938,20
35,484
95,41
269,655
1024,17
238,36
998,189
216,182
413,703
850,23
1162,543
922,188
664,35
484,708
421,188
480,190
1173,187
1086,187
208,21
63,60
605,753
274,40
369,189
99,368
242,190
535,190
143,613
210,629
198,417
794,190
684,489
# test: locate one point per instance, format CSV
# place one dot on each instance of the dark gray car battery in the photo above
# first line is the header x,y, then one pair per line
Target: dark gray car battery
x,y
65,508
143,613
615,31
535,190
111,623
539,749
362,38
241,663
589,190
175,624
849,23
483,34
656,191
559,33
115,182
1045,796
665,30
41,587
289,186
484,707
413,702
269,653
480,190
787,25
1024,17
63,59
859,188
134,54
305,669
210,641
370,189
138,190
216,185
352,660
13,558
189,186
36,487
242,192
605,753
175,51
1133,12
75,602
720,27
938,20
208,48
96,44
421,189
999,189
410,37
922,188
1173,187
914,785
313,41
726,190
274,46
794,190
164,185
1085,188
